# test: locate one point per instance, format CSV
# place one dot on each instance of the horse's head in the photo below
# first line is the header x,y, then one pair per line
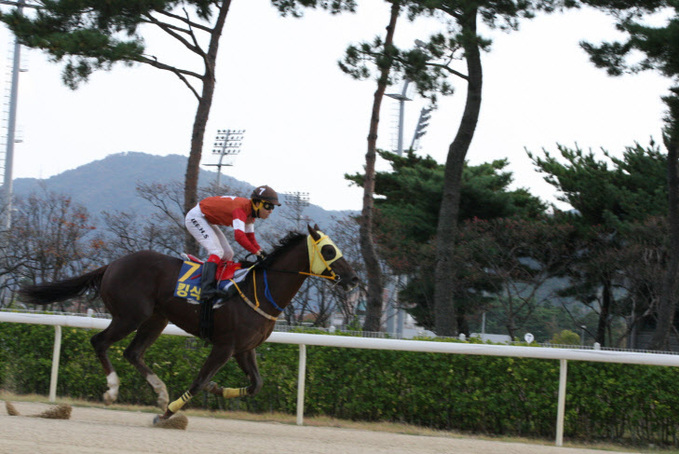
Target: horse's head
x,y
326,259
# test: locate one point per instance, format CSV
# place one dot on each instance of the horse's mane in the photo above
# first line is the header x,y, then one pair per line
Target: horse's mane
x,y
290,240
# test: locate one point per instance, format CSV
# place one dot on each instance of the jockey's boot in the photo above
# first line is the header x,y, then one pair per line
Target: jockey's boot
x,y
208,292
209,285
208,281
229,267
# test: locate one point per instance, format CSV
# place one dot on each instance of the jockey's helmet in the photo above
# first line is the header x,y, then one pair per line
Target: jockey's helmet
x,y
265,194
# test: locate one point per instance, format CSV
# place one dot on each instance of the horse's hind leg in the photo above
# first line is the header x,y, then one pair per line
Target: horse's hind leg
x,y
146,335
218,356
248,364
101,341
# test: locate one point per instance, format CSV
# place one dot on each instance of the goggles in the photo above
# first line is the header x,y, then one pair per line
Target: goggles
x,y
268,206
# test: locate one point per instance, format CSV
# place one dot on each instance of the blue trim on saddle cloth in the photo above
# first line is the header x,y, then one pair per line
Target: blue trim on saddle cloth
x,y
188,281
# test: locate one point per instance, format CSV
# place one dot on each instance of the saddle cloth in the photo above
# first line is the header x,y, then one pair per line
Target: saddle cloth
x,y
188,281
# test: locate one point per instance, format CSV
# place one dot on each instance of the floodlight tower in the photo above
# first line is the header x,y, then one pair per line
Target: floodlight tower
x,y
298,201
395,315
228,143
402,98
395,327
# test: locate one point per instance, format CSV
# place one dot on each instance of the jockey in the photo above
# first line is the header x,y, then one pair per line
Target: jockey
x,y
238,212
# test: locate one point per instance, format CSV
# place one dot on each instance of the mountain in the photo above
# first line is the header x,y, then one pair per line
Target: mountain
x,y
110,183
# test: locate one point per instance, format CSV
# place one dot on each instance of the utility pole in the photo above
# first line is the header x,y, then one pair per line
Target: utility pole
x,y
228,143
11,131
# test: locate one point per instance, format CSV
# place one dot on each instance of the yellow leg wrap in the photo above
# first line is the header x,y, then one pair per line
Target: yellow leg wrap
x,y
175,406
229,393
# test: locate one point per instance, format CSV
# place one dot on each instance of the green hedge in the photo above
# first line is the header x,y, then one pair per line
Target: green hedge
x,y
477,394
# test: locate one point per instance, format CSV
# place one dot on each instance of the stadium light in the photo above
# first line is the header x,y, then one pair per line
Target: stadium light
x,y
228,143
298,201
422,124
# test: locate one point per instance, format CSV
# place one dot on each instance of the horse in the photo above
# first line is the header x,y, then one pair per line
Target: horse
x,y
138,291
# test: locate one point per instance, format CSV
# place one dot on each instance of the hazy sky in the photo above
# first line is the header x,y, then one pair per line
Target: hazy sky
x,y
306,122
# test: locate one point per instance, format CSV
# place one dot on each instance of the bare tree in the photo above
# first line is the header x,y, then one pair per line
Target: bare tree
x,y
51,238
345,233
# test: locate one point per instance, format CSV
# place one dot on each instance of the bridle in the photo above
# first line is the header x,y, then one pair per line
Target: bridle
x,y
317,263
317,266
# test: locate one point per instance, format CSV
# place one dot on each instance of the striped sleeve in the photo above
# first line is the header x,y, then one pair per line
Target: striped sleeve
x,y
240,228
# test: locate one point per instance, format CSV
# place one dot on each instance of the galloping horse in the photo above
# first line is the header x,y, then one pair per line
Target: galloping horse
x,y
138,291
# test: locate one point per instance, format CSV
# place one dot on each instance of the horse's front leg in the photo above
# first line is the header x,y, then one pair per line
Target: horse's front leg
x,y
248,364
219,355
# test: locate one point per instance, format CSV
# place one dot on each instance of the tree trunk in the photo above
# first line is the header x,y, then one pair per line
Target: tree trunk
x,y
511,322
200,121
463,323
373,316
606,304
444,278
668,298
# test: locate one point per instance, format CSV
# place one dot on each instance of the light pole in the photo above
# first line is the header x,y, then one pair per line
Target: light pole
x,y
228,143
11,129
402,98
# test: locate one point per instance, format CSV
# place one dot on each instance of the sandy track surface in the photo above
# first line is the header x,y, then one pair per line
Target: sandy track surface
x,y
93,431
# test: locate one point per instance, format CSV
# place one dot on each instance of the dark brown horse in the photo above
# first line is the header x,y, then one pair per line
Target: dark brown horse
x,y
138,291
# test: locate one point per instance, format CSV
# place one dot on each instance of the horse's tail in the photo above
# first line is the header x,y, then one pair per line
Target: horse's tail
x,y
53,292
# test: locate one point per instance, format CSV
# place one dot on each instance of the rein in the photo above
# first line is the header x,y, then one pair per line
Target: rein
x,y
316,268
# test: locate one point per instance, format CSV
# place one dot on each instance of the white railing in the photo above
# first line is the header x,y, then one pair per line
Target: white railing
x,y
562,354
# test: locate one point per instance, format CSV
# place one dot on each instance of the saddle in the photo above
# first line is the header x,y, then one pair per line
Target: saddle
x,y
188,281
189,287
225,270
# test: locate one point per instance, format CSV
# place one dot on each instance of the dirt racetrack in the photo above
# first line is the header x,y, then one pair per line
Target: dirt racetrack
x,y
94,430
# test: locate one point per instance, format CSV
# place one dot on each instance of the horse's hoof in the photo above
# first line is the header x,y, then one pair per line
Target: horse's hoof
x,y
108,399
163,402
164,417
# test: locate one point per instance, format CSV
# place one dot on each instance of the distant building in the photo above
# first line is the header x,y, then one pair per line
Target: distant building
x,y
495,338
641,334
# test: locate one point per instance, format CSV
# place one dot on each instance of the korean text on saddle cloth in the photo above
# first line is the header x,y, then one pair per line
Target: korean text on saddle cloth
x,y
188,281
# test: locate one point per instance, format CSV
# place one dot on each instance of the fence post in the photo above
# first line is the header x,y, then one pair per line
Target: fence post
x,y
561,405
56,353
301,379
